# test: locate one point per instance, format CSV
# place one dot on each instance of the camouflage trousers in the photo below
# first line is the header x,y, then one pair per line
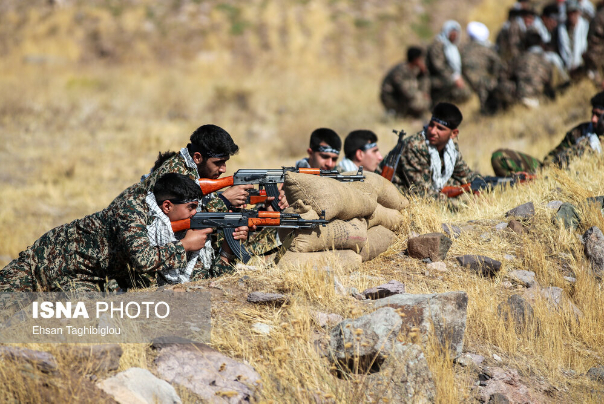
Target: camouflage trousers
x,y
506,162
450,94
264,241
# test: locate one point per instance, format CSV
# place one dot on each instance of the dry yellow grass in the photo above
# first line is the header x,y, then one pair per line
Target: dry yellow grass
x,y
74,136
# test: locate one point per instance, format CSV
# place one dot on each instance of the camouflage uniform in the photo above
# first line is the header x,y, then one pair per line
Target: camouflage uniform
x,y
481,68
505,162
532,73
442,85
85,254
594,56
406,90
413,170
510,40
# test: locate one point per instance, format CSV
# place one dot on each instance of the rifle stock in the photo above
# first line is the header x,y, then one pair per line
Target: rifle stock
x,y
208,185
393,157
454,191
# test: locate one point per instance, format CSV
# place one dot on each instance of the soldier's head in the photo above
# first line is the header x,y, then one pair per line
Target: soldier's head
x,y
443,125
361,147
324,149
532,39
549,16
177,195
452,31
415,57
597,112
211,147
477,31
528,16
573,12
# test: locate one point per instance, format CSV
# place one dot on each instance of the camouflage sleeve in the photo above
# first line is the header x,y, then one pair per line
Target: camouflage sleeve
x,y
564,157
415,166
568,142
462,173
132,234
439,64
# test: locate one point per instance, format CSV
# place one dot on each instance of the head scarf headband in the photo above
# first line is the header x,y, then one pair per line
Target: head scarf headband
x,y
325,149
438,120
368,146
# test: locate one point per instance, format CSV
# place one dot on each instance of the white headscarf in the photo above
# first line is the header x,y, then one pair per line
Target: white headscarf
x,y
160,233
572,54
451,52
592,138
478,32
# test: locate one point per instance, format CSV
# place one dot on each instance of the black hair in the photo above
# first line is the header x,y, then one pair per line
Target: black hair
x,y
513,13
162,158
523,12
212,140
532,39
413,53
448,113
598,100
356,140
176,186
325,135
551,11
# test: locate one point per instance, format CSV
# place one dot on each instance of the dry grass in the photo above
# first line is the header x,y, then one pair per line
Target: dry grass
x,y
75,135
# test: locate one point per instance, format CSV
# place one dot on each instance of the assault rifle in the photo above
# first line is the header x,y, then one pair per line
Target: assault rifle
x,y
268,179
229,221
487,183
393,157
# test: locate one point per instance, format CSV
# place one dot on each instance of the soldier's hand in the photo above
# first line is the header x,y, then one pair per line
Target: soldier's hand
x,y
195,239
241,233
459,83
237,194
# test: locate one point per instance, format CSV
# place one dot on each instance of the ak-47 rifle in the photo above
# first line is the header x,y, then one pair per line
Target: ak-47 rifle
x,y
486,183
229,221
393,157
268,179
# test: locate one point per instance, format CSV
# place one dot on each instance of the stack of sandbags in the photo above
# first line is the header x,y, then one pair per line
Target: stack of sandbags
x,y
353,208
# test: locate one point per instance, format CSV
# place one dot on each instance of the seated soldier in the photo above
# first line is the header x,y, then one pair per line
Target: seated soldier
x,y
430,159
360,149
323,151
128,242
584,137
405,90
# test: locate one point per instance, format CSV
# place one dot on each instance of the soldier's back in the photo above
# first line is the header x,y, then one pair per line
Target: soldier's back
x,y
532,73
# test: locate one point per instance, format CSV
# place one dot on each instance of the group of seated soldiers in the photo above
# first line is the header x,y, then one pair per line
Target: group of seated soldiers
x,y
533,57
131,244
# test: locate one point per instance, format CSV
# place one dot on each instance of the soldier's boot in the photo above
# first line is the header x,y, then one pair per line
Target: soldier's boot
x,y
506,162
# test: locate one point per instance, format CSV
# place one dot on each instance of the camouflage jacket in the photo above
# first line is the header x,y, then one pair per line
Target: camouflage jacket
x,y
441,74
413,170
574,144
594,56
175,164
481,65
110,245
510,40
532,73
406,87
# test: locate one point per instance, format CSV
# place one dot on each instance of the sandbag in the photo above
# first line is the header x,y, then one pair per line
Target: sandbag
x,y
348,259
339,200
389,218
338,234
379,240
387,194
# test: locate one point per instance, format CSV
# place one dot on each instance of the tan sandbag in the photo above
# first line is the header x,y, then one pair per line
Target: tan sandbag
x,y
379,240
338,234
389,218
387,194
348,259
339,200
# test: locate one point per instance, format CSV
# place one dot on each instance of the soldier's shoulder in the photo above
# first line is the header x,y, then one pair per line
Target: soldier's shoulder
x,y
415,141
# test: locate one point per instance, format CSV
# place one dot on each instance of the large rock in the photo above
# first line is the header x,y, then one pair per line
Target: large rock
x,y
432,245
516,227
388,289
206,372
520,311
266,298
524,211
43,361
508,384
568,215
555,298
481,264
443,314
525,278
594,249
596,374
139,386
370,344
